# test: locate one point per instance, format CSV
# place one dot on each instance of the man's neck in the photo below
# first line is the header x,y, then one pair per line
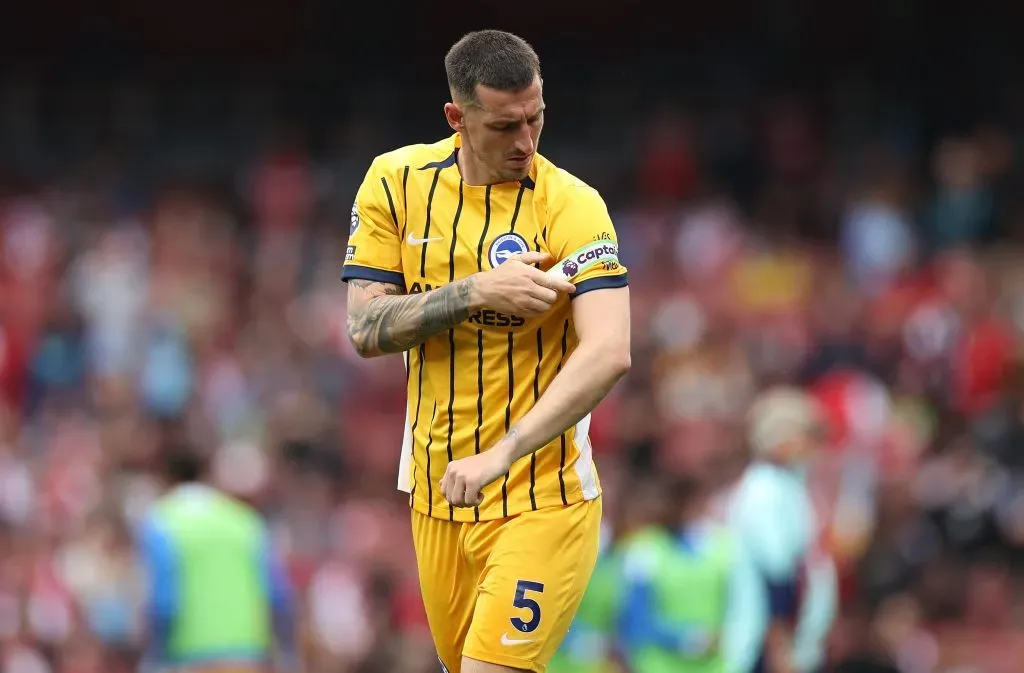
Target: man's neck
x,y
475,173
472,173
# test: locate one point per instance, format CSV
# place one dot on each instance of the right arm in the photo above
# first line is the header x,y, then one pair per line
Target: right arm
x,y
383,319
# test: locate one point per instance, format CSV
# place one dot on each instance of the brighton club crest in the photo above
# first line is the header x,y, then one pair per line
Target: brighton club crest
x,y
505,247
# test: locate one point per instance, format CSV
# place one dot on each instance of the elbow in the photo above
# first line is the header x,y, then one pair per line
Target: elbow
x,y
625,364
611,361
362,346
619,362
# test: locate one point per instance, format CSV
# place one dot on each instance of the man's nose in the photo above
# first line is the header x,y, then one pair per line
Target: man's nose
x,y
524,141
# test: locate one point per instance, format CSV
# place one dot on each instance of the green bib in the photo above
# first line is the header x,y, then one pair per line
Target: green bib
x,y
690,588
222,594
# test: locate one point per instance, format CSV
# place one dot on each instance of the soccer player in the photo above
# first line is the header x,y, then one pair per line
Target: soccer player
x,y
774,515
218,598
693,599
447,251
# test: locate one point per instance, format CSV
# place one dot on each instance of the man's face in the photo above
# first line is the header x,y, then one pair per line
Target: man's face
x,y
502,130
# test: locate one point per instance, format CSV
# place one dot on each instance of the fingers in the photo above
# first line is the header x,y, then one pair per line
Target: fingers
x,y
528,259
540,297
533,257
552,283
546,295
449,485
532,306
458,491
519,287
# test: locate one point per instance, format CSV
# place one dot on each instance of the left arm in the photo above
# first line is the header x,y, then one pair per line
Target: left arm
x,y
602,358
600,313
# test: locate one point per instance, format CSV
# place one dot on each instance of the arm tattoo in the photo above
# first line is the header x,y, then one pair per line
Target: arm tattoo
x,y
383,319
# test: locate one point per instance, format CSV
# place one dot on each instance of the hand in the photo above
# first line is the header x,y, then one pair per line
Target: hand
x,y
466,477
518,288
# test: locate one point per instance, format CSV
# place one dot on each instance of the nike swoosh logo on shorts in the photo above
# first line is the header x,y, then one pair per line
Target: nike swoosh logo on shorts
x,y
420,241
505,640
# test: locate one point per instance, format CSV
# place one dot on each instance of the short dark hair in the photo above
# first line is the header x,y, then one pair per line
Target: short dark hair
x,y
492,58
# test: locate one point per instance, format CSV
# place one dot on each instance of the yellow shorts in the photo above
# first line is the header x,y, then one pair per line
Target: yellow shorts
x,y
505,591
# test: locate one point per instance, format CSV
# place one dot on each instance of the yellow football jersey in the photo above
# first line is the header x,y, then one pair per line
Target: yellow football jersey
x,y
417,225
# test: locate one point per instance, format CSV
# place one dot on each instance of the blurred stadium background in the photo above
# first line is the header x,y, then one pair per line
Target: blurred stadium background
x,y
821,193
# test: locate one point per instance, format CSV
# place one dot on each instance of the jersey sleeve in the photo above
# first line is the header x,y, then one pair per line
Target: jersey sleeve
x,y
577,217
374,241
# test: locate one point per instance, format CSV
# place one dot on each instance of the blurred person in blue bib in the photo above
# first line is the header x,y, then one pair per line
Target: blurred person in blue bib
x,y
772,511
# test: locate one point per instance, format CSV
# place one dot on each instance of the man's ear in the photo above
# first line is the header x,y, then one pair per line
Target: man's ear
x,y
456,118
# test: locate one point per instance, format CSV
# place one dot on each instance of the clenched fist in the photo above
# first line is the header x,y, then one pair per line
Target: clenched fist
x,y
465,478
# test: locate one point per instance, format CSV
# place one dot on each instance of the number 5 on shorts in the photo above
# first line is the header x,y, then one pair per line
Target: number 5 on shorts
x,y
522,602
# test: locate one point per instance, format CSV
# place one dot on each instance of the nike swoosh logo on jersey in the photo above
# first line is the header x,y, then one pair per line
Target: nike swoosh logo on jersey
x,y
420,241
505,640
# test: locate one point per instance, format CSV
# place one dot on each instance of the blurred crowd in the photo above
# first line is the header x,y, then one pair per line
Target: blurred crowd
x,y
767,242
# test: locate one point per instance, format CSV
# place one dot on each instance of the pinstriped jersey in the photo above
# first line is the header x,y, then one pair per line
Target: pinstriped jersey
x,y
418,225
